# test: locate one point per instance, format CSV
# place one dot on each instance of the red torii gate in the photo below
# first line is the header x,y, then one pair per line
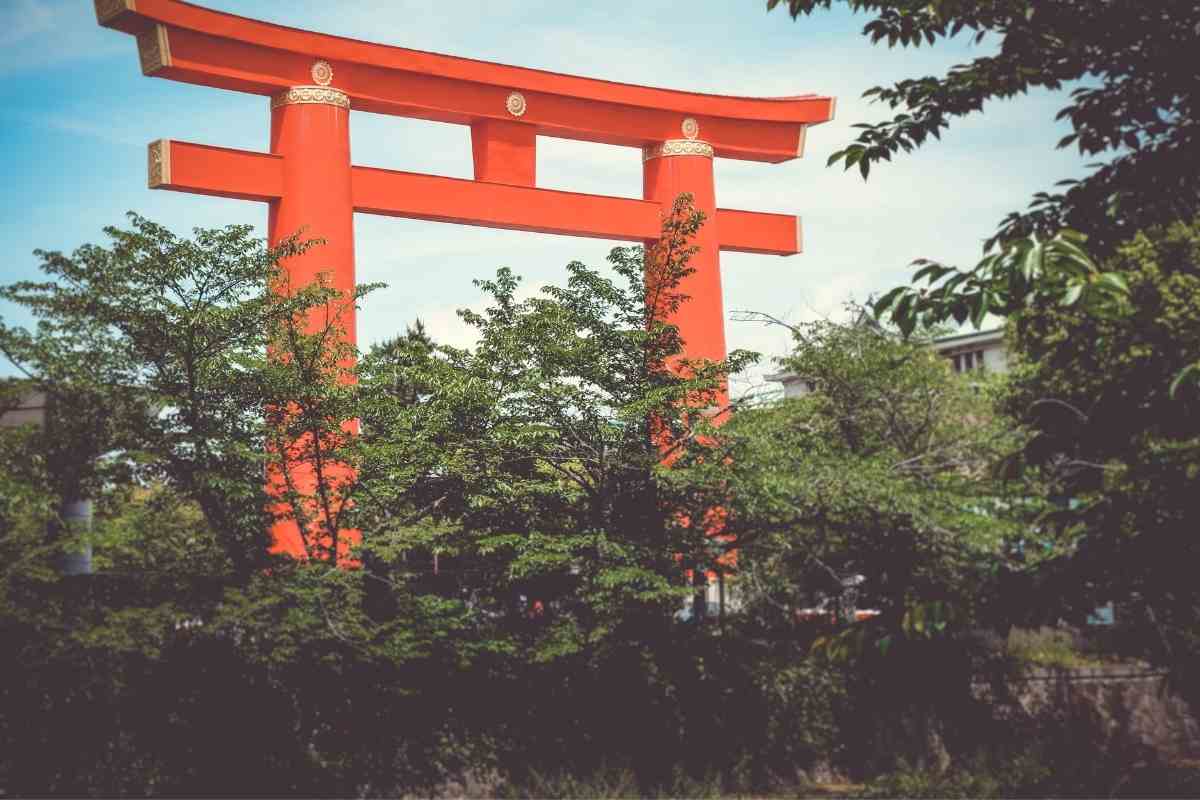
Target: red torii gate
x,y
308,180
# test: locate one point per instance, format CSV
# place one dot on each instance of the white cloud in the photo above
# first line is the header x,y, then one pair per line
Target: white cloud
x,y
36,34
24,19
76,124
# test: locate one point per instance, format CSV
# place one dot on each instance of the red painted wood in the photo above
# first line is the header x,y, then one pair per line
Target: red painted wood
x,y
700,320
313,143
504,152
225,172
217,49
759,232
432,197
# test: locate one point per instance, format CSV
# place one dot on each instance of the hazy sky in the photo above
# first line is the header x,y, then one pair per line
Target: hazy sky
x,y
78,113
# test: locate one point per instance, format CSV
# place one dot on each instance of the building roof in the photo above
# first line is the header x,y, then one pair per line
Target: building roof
x,y
972,337
954,341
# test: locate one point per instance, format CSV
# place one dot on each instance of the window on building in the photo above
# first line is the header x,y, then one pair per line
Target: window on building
x,y
796,388
967,361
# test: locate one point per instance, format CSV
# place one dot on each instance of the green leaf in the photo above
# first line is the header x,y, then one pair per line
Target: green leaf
x,y
932,270
960,310
1115,280
903,314
883,304
1031,263
980,310
1189,374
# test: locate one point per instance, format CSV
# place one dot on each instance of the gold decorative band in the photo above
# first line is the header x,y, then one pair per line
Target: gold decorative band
x,y
159,163
154,49
677,147
108,10
322,95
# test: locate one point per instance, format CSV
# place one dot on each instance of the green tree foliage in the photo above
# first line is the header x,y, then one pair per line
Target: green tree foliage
x,y
1136,100
1029,271
402,355
520,570
1110,440
880,471
871,492
513,608
528,468
1095,279
154,351
1134,104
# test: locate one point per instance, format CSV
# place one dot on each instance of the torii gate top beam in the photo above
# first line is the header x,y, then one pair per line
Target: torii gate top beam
x,y
183,42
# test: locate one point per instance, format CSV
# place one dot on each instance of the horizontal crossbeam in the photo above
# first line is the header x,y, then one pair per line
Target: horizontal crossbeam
x,y
497,205
217,171
187,167
180,41
759,232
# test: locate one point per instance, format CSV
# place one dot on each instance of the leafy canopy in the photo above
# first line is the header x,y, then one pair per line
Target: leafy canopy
x,y
1114,440
877,478
1133,106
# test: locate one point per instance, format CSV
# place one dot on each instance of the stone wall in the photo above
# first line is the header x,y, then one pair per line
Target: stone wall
x,y
1128,711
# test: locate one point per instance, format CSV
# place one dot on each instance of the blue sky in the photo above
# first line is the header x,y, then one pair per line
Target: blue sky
x,y
77,114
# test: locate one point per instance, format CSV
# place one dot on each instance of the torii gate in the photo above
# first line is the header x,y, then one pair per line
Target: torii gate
x,y
313,80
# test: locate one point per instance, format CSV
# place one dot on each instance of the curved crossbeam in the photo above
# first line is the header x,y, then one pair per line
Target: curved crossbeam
x,y
189,43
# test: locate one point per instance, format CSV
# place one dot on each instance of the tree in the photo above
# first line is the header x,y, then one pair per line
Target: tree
x,y
529,468
158,346
871,491
399,353
165,359
1115,442
1136,103
521,562
880,470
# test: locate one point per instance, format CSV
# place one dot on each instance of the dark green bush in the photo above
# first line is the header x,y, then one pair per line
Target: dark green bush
x,y
981,776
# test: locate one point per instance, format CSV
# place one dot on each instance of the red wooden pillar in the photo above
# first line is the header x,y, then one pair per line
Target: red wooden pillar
x,y
668,170
310,128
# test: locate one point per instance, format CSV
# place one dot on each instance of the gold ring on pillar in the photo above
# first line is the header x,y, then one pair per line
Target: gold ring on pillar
x,y
677,147
321,95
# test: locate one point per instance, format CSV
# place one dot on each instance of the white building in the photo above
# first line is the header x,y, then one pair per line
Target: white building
x,y
979,350
28,409
965,351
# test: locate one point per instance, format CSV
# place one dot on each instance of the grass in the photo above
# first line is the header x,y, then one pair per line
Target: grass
x,y
617,782
1048,647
